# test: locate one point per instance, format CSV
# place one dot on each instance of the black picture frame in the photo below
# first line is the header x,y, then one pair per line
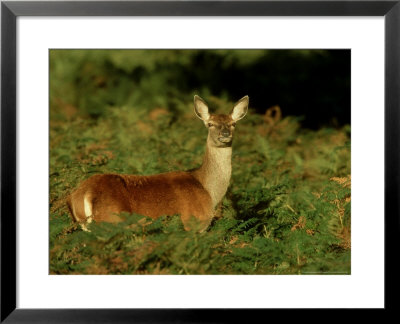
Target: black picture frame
x,y
10,10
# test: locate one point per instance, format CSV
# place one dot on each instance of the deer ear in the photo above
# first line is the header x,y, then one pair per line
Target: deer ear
x,y
240,108
201,108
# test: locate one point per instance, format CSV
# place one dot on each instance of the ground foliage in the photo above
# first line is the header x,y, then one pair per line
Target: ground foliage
x,y
287,210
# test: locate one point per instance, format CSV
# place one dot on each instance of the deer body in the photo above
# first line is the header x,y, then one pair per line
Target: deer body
x,y
188,193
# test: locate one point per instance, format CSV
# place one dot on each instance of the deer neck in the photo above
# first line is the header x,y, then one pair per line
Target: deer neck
x,y
215,172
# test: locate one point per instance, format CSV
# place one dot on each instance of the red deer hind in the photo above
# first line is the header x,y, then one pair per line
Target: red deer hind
x,y
192,193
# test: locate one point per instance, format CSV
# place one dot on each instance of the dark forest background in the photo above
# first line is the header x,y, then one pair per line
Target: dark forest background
x,y
312,84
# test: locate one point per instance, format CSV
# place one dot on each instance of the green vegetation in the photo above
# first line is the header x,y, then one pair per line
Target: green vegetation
x,y
287,210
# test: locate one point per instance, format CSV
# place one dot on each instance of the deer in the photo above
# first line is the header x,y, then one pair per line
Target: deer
x,y
193,194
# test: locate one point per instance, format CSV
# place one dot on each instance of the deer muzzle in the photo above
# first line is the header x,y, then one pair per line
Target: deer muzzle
x,y
225,139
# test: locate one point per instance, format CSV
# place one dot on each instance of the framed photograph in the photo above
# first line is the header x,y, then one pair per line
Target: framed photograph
x,y
197,160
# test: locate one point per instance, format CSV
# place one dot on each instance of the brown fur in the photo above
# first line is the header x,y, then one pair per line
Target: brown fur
x,y
190,194
152,196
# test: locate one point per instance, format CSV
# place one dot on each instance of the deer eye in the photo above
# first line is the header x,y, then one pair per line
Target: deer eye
x,y
233,124
210,124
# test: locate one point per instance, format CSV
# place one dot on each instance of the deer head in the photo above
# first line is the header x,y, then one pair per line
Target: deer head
x,y
220,126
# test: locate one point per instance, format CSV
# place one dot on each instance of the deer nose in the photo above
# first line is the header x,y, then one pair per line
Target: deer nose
x,y
225,133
